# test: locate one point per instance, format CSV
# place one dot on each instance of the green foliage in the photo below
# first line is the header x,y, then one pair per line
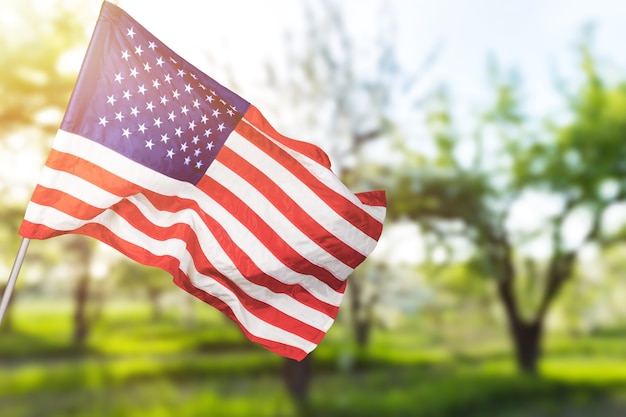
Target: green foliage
x,y
132,276
188,371
585,161
470,185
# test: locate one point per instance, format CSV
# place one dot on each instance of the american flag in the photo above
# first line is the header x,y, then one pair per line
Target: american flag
x,y
161,162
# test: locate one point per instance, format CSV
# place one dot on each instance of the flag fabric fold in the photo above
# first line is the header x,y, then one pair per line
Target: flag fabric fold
x,y
158,160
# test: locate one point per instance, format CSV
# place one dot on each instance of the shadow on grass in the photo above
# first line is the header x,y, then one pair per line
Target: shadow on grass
x,y
431,392
242,382
18,346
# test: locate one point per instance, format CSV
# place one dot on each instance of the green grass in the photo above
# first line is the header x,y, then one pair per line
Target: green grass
x,y
133,366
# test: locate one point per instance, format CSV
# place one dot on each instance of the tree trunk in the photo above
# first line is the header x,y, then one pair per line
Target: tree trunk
x,y
79,247
297,379
527,339
361,316
81,322
362,330
154,297
526,336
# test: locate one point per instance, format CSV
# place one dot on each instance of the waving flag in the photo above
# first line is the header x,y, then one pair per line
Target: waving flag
x,y
161,162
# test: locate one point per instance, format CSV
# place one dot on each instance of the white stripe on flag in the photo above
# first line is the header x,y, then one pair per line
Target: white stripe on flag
x,y
212,249
303,195
126,231
321,172
80,187
278,222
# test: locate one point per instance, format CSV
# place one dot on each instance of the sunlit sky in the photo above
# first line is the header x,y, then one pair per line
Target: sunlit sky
x,y
534,37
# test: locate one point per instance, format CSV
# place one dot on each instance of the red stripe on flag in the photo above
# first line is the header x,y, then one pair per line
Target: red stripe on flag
x,y
254,116
39,231
239,257
268,236
373,198
285,204
170,264
92,173
64,202
282,349
339,203
182,231
130,213
102,178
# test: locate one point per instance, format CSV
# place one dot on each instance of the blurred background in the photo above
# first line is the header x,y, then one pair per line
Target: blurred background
x,y
498,130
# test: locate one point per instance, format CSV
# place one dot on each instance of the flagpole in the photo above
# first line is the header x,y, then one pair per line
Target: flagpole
x,y
19,259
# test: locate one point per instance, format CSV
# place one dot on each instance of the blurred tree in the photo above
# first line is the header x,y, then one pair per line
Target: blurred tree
x,y
78,252
459,291
379,300
350,95
564,179
610,308
135,278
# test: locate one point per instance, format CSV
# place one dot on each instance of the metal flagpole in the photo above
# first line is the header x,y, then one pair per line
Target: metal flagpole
x,y
19,259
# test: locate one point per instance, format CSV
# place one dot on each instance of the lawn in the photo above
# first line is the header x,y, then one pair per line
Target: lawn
x,y
133,366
